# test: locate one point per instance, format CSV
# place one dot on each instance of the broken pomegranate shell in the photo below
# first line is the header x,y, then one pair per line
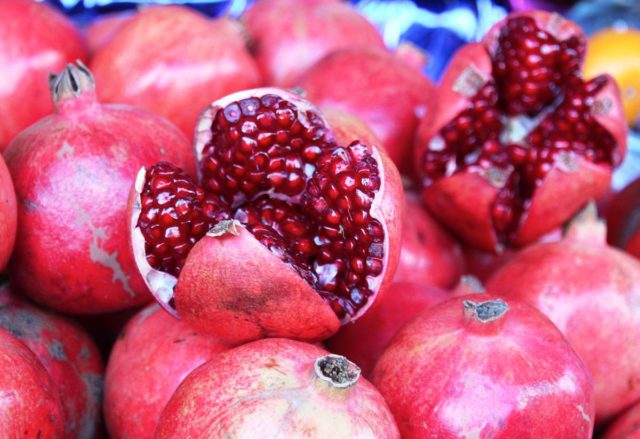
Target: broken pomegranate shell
x,y
291,231
520,142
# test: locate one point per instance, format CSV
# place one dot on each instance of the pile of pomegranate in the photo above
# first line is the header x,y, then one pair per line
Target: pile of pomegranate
x,y
277,226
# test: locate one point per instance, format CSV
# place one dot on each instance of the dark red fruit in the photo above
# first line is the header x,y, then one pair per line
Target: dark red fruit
x,y
520,142
8,215
623,219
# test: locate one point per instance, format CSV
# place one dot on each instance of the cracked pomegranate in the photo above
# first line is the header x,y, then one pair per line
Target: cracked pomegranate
x,y
293,228
281,388
480,366
520,142
623,219
8,214
72,173
592,293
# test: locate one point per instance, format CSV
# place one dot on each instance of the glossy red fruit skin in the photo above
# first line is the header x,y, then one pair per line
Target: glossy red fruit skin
x,y
35,40
623,219
68,354
449,375
269,386
72,172
590,292
429,255
152,356
626,426
8,214
364,341
391,102
31,407
102,30
173,61
289,36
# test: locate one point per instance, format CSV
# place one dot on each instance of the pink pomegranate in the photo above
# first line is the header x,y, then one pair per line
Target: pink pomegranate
x,y
152,356
102,30
520,141
35,40
173,61
69,356
365,340
279,388
72,173
289,36
8,214
292,230
627,426
429,255
623,219
592,294
483,367
29,406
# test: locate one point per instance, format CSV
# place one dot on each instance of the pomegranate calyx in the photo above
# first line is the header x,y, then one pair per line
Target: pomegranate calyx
x,y
587,227
223,227
485,312
336,371
73,81
469,284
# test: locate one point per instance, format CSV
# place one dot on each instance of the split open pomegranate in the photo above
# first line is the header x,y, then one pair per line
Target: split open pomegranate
x,y
290,231
520,142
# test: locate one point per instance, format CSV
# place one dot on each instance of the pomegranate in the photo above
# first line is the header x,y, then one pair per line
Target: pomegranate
x,y
480,366
429,255
365,340
623,219
72,172
29,406
152,356
289,36
592,294
173,61
8,214
520,142
69,356
289,232
391,102
35,40
280,388
102,30
627,426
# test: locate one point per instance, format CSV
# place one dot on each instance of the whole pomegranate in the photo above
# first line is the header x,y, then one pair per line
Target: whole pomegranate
x,y
365,340
627,426
379,88
592,293
173,61
69,356
429,255
293,228
483,367
520,142
72,173
30,406
35,40
277,388
623,219
152,356
8,214
289,36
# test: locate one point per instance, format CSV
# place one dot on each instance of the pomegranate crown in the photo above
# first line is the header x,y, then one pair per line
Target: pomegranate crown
x,y
74,80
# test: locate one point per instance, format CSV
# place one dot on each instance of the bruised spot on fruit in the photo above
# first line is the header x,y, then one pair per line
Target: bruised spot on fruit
x,y
56,350
337,371
65,151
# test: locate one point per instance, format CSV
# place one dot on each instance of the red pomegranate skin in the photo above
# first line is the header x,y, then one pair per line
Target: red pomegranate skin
x,y
391,103
623,219
364,340
591,292
72,172
289,36
268,388
30,406
173,61
35,40
102,30
68,354
152,356
429,255
8,214
626,426
449,374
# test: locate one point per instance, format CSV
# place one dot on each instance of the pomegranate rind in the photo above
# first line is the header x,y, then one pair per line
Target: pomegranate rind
x,y
8,215
626,426
609,112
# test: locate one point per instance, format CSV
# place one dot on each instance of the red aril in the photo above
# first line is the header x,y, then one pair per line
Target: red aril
x,y
152,356
279,388
72,173
35,40
365,340
8,214
626,426
520,142
290,232
381,89
480,366
173,61
623,219
592,293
